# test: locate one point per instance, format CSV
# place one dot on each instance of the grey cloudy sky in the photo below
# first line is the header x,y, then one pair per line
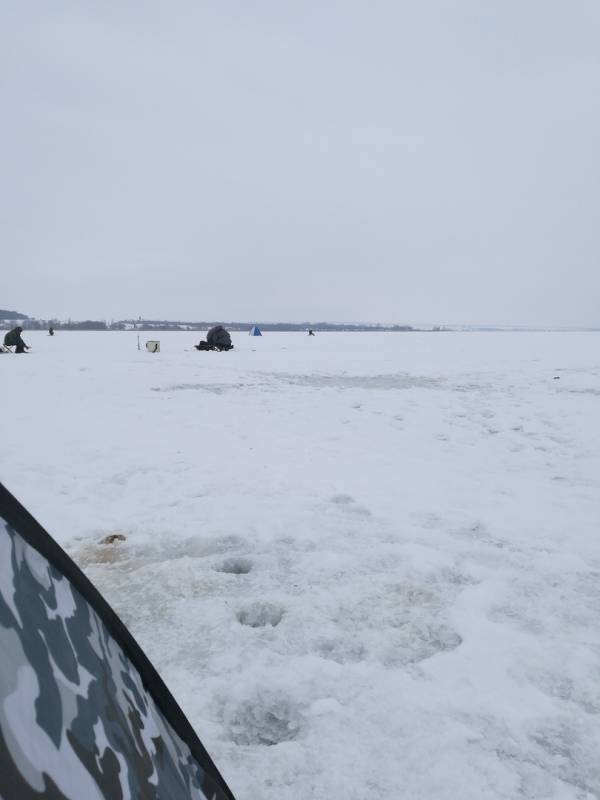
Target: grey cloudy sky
x,y
432,160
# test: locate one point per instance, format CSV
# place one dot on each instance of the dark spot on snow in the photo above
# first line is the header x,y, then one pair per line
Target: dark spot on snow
x,y
350,505
341,651
235,566
112,538
342,499
214,388
108,551
378,382
259,615
595,392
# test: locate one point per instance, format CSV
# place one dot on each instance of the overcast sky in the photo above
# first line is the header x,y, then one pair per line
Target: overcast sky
x,y
432,161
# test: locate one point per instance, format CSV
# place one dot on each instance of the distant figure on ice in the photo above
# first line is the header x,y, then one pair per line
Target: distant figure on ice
x,y
311,332
13,339
216,339
51,332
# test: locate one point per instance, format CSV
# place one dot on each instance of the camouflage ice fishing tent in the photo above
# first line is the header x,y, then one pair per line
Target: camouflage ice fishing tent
x,y
83,714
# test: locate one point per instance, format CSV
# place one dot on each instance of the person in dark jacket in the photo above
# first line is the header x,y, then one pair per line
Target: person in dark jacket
x,y
14,339
219,339
216,339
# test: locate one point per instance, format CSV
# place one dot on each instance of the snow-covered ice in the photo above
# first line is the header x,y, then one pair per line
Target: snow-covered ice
x,y
366,565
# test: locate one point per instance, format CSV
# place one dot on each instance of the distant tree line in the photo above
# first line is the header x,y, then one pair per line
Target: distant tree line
x,y
44,324
166,325
9,318
11,315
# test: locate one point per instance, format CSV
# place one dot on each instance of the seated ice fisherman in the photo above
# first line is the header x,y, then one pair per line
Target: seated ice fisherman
x,y
14,339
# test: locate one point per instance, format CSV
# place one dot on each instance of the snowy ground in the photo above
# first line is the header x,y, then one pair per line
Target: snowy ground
x,y
367,565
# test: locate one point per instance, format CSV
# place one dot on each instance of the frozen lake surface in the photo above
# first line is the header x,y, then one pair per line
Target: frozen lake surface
x,y
366,565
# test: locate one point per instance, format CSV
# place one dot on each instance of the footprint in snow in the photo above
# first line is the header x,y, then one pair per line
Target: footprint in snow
x,y
350,505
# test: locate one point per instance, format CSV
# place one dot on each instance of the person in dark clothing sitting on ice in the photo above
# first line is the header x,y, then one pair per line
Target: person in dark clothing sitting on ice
x,y
13,339
216,339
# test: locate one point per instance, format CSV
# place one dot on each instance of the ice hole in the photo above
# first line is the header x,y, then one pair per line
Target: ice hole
x,y
235,566
259,615
265,721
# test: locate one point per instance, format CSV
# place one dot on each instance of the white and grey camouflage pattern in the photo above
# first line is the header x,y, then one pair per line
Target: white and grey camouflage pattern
x,y
76,722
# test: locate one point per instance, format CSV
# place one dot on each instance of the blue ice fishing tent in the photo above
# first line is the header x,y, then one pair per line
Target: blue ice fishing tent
x,y
255,331
83,713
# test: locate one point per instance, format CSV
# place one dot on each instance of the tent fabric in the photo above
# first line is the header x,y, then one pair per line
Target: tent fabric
x,y
83,714
255,331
